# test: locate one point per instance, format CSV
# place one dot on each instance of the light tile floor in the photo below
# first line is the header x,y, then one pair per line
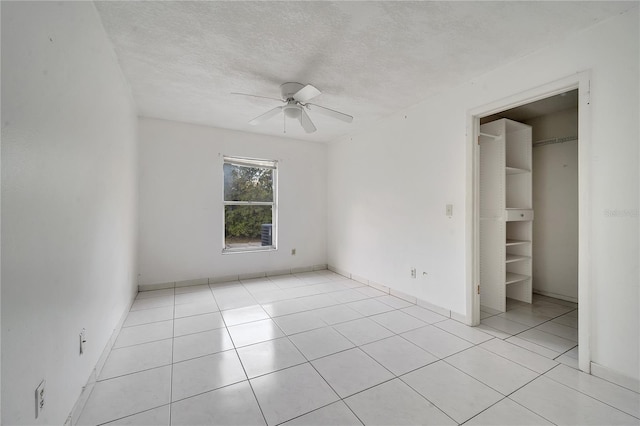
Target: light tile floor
x,y
319,349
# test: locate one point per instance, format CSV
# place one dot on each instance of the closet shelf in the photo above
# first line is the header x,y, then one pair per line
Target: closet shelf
x,y
489,135
516,258
513,278
516,171
516,242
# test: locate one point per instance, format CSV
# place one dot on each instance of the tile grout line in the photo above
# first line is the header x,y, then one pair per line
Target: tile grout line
x,y
534,327
586,394
514,361
173,335
538,375
566,386
426,399
235,348
134,414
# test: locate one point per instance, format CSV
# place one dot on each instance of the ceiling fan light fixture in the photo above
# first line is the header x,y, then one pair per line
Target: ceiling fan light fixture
x,y
292,110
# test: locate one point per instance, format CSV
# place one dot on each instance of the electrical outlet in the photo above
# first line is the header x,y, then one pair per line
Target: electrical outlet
x,y
293,252
83,340
40,398
413,272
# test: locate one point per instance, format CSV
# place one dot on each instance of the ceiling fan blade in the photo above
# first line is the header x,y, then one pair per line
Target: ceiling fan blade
x,y
256,96
306,93
330,113
267,115
306,122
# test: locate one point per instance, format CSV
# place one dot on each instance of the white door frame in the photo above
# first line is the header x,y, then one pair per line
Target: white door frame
x,y
582,82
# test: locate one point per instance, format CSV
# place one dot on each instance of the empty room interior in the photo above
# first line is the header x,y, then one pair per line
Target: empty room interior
x,y
320,213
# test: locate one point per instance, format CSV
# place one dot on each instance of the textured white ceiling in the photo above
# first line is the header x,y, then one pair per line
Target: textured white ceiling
x,y
370,59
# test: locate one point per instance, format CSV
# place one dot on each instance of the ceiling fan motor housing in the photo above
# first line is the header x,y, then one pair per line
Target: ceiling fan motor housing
x,y
287,90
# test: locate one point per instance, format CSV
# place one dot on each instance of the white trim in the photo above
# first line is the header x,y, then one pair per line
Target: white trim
x,y
230,278
612,376
401,295
459,317
278,272
555,295
223,279
189,283
404,296
581,81
379,286
253,163
73,417
360,279
250,162
252,275
256,249
339,271
435,308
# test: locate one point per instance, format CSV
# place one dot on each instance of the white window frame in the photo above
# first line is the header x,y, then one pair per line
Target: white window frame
x,y
257,163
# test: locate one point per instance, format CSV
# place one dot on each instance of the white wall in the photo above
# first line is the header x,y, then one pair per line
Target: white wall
x,y
181,185
68,202
388,187
555,202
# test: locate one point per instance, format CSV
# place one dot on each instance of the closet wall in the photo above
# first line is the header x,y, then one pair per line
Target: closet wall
x,y
555,200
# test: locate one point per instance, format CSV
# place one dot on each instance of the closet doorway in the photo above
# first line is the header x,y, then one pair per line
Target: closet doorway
x,y
538,247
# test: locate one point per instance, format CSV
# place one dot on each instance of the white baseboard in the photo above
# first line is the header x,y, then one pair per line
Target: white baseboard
x,y
435,308
95,373
278,272
379,286
361,280
459,317
556,295
157,286
404,296
189,283
616,377
252,276
223,279
339,271
490,310
230,278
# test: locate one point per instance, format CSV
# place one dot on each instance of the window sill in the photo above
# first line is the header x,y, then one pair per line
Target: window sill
x,y
249,250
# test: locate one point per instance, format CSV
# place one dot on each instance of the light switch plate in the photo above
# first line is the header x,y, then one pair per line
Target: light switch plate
x,y
450,210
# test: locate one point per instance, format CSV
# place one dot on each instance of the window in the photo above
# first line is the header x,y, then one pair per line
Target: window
x,y
250,210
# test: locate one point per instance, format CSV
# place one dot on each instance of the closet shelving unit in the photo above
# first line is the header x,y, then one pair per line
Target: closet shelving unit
x,y
506,213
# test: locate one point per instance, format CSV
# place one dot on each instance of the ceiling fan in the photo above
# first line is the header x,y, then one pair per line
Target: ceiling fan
x,y
295,97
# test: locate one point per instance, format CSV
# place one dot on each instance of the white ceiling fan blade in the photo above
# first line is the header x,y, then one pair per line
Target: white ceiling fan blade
x,y
330,113
306,122
256,96
306,93
267,115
